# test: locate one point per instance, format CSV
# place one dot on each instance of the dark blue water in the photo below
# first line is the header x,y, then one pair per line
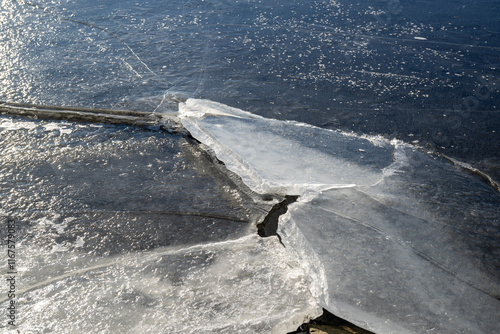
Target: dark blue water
x,y
423,71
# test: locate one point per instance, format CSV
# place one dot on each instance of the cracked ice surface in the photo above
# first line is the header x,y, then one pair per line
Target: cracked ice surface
x,y
393,239
128,230
245,285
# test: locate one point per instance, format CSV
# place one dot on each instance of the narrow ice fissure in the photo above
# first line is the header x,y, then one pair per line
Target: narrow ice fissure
x,y
269,226
469,168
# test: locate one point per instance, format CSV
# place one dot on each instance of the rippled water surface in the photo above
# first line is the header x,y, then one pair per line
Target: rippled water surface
x,y
422,71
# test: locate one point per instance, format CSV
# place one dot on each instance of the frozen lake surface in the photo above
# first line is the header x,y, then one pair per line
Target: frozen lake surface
x,y
421,71
122,229
347,105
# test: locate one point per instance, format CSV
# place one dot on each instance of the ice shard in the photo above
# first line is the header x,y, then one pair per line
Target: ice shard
x,y
393,239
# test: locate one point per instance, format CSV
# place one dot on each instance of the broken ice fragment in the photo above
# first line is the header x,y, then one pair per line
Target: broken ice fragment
x,y
393,239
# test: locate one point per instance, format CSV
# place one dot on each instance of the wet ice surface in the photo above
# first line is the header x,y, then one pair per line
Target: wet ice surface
x,y
125,182
423,71
276,169
126,229
393,239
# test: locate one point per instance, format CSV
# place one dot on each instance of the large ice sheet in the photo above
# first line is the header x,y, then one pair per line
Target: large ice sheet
x,y
394,240
120,229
